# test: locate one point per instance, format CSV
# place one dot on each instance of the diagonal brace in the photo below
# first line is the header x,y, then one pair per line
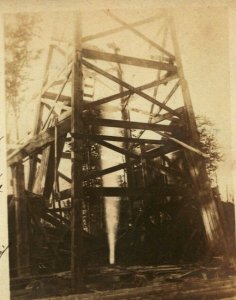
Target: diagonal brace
x,y
129,87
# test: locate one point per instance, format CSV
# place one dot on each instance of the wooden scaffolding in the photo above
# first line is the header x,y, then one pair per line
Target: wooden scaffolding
x,y
154,122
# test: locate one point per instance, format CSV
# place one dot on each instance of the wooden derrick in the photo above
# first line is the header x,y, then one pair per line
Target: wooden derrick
x,y
165,172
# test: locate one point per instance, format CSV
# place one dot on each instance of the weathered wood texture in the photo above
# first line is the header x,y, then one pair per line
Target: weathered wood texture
x,y
22,222
77,247
92,54
128,86
122,192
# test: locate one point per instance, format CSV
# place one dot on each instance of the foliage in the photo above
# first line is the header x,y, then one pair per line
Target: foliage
x,y
20,31
209,145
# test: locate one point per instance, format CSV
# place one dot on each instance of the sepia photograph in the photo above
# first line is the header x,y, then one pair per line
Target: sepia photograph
x,y
117,150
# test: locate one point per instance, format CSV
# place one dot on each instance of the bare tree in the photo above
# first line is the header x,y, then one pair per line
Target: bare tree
x,y
209,145
20,30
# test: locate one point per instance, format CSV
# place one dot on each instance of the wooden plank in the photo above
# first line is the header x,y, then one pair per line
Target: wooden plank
x,y
89,104
63,176
45,138
128,86
129,60
117,149
48,187
159,118
22,222
41,140
162,150
53,96
127,93
77,146
142,36
46,104
44,178
123,139
50,103
54,213
106,171
121,28
66,155
120,191
40,179
57,98
55,222
171,93
128,124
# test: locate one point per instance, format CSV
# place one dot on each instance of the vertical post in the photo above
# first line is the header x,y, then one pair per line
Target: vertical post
x,y
22,233
37,124
77,251
184,86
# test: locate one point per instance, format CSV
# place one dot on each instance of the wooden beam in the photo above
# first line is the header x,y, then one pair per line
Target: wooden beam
x,y
128,86
121,191
54,221
117,149
45,138
58,217
106,171
159,118
66,155
123,139
168,97
63,176
121,28
128,124
162,150
39,141
40,179
129,60
22,222
48,187
142,36
184,145
57,98
127,93
49,107
50,103
77,245
53,96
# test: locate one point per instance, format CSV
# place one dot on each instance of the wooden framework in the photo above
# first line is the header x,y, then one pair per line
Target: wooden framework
x,y
74,117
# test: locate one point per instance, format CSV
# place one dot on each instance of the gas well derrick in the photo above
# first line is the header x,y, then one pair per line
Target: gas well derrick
x,y
115,136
